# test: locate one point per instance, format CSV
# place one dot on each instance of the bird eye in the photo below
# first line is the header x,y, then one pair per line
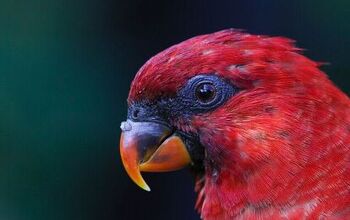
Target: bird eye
x,y
205,92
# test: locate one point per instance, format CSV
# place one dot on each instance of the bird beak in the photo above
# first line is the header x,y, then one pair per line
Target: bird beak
x,y
150,147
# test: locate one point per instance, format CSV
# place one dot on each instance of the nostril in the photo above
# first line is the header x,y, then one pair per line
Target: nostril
x,y
135,113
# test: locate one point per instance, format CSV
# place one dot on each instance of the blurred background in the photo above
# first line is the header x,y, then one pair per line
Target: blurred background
x,y
65,71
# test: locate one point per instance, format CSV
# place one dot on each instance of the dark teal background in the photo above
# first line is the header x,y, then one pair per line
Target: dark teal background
x,y
65,71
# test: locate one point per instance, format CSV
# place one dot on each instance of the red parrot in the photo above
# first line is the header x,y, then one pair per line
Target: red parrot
x,y
263,129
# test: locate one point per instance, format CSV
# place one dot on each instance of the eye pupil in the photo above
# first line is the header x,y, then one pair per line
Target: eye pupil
x,y
205,92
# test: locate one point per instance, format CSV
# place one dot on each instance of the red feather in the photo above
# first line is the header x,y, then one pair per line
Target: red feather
x,y
278,149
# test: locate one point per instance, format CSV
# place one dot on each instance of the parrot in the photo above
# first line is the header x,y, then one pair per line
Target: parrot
x,y
262,128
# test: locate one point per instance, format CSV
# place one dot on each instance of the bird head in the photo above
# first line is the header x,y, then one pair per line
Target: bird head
x,y
239,109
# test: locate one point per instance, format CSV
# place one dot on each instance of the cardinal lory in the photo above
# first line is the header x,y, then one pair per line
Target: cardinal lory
x,y
265,132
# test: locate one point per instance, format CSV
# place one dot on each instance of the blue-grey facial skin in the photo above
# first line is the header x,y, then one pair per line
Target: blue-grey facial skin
x,y
191,104
186,103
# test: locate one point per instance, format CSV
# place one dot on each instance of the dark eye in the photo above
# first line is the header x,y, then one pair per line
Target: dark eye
x,y
205,92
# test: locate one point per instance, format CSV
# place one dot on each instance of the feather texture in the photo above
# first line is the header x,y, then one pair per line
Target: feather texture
x,y
280,148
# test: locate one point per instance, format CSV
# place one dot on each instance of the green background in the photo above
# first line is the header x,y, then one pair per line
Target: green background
x,y
65,71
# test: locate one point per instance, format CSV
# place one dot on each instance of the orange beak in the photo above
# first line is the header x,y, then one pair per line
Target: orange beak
x,y
150,147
